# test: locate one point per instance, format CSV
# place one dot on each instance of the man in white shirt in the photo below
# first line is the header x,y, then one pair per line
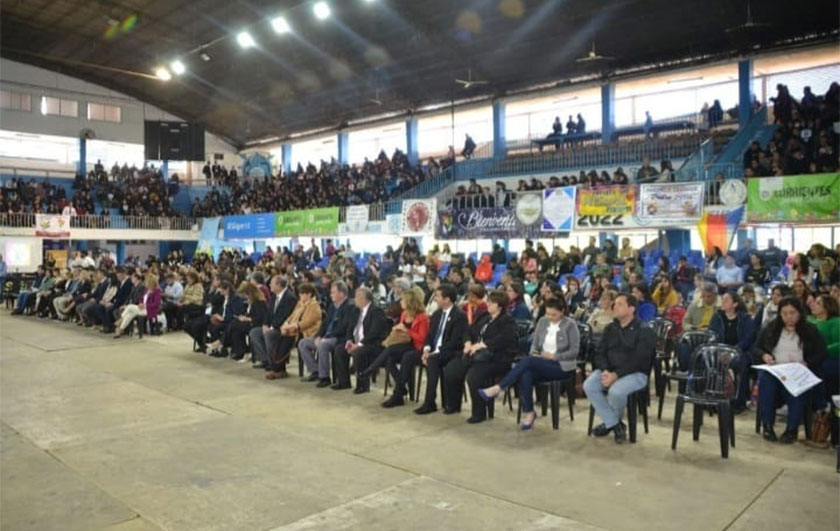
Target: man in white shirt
x,y
370,329
87,260
172,293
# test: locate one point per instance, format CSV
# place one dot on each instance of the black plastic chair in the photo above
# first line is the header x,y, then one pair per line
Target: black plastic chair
x,y
662,328
694,339
710,383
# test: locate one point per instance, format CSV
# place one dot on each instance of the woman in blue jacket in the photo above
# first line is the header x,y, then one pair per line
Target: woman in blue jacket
x,y
733,326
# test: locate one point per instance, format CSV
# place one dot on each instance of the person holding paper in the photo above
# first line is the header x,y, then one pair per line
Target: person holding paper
x,y
789,338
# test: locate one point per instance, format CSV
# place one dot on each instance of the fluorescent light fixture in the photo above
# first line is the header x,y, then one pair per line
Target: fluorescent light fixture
x,y
162,73
280,25
321,10
177,67
245,40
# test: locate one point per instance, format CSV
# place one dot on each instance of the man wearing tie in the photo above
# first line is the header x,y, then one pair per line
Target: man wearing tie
x,y
231,307
333,332
444,343
270,347
370,328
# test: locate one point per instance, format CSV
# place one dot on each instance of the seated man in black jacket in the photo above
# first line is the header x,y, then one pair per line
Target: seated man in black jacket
x,y
622,364
108,310
363,342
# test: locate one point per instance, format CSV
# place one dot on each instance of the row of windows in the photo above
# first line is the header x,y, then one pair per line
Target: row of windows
x,y
52,106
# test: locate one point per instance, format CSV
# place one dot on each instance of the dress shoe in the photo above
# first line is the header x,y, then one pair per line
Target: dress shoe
x,y
620,433
475,420
601,430
789,436
281,375
323,382
339,386
425,409
769,433
525,426
447,411
271,375
218,353
394,401
234,357
361,390
311,378
202,349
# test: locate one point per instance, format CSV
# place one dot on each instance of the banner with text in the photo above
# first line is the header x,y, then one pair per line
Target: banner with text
x,y
52,225
254,226
357,218
418,217
805,198
321,221
474,223
289,223
606,207
662,205
559,209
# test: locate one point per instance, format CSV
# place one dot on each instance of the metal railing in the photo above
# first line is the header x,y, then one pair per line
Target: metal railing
x,y
12,171
27,219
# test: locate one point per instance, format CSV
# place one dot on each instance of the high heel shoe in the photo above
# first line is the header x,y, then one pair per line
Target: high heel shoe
x,y
526,427
483,394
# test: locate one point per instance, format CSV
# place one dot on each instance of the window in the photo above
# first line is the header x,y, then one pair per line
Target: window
x,y
17,101
104,113
59,107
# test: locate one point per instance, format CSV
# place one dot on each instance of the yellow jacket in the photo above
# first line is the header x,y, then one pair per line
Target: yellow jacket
x,y
307,315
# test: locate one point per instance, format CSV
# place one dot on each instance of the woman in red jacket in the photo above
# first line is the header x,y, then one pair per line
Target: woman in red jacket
x,y
413,329
149,306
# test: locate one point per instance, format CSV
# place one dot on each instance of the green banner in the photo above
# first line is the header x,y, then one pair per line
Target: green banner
x,y
289,223
804,198
321,221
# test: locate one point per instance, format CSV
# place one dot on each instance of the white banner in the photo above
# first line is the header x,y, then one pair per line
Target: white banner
x,y
418,217
52,225
392,223
660,205
559,209
357,218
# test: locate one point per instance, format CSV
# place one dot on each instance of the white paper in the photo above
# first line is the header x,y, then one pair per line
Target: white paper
x,y
796,377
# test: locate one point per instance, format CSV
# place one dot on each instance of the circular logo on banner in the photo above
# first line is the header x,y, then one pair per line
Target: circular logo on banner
x,y
529,208
733,192
417,216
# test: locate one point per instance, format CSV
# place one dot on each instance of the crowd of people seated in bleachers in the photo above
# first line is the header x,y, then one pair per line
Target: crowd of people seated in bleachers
x,y
806,139
470,319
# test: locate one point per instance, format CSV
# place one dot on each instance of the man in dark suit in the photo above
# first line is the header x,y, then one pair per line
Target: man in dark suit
x,y
269,346
444,342
107,310
232,306
197,326
317,351
364,342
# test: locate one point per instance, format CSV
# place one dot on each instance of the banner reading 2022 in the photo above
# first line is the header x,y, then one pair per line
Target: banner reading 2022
x,y
796,198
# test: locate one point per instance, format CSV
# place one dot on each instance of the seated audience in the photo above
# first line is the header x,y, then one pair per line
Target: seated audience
x,y
316,351
732,325
363,342
270,347
149,307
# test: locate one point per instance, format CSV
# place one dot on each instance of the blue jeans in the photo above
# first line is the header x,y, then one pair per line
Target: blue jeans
x,y
771,393
530,370
609,402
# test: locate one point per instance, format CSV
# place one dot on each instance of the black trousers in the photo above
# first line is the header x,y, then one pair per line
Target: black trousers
x,y
170,310
197,329
235,336
478,374
362,357
187,312
435,366
391,357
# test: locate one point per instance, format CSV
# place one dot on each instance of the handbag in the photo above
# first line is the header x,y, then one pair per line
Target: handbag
x,y
483,355
396,337
821,429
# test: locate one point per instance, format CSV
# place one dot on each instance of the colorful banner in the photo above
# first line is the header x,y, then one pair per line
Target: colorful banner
x,y
472,223
717,227
52,225
797,198
289,223
321,221
603,207
559,209
418,217
253,226
661,205
357,218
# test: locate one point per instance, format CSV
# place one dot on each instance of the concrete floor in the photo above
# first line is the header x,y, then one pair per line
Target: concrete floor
x,y
143,434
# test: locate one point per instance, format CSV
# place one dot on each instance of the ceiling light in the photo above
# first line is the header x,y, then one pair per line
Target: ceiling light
x,y
321,10
245,40
204,57
162,73
177,67
280,25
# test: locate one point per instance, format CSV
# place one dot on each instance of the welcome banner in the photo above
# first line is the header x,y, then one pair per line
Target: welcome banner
x,y
52,225
806,198
663,205
473,223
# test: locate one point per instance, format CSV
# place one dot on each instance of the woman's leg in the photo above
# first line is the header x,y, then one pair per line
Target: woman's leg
x,y
538,370
479,375
767,391
129,313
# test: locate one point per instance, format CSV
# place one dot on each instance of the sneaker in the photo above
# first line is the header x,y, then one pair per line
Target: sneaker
x,y
601,430
620,432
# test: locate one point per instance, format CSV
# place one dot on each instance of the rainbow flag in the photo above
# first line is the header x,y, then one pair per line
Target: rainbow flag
x,y
718,227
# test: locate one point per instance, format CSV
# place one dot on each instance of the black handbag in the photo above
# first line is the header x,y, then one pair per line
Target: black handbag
x,y
483,355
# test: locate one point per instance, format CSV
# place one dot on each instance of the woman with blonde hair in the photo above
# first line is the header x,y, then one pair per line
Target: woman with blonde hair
x,y
149,307
408,335
238,329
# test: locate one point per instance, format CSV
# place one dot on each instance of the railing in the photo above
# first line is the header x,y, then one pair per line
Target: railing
x,y
106,222
34,172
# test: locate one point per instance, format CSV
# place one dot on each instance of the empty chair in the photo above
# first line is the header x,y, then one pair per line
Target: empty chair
x,y
688,342
662,328
710,383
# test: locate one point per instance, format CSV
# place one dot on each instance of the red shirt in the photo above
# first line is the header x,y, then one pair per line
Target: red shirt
x,y
418,330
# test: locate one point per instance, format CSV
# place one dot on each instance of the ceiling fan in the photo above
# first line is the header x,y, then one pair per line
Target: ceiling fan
x,y
749,25
593,57
470,82
376,100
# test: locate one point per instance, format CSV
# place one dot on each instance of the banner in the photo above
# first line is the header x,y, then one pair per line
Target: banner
x,y
372,227
558,209
392,223
473,223
253,226
52,225
357,218
717,227
660,205
321,221
418,217
796,198
210,228
289,223
603,207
